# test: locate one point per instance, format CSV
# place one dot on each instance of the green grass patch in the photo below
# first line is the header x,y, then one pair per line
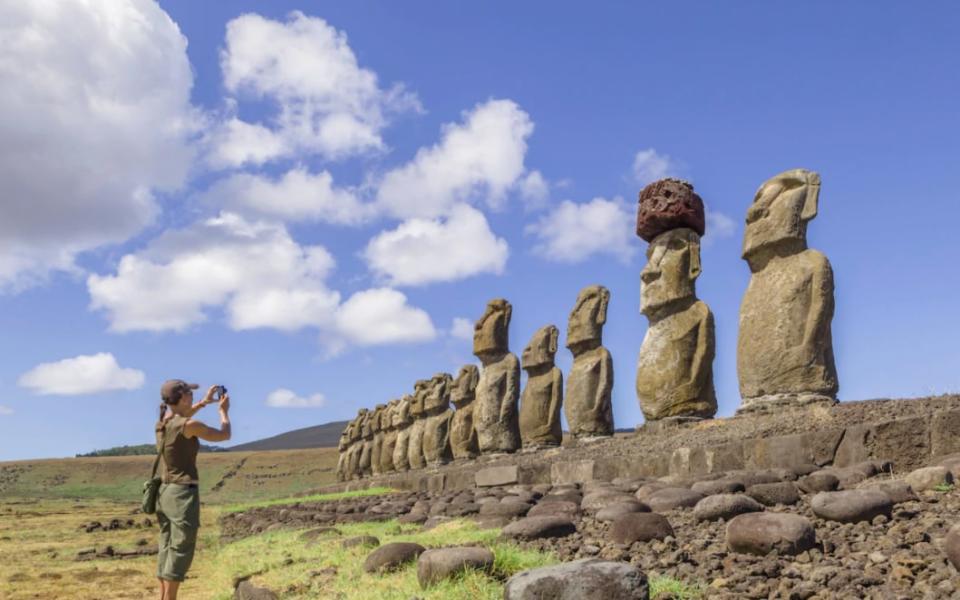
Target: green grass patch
x,y
673,588
325,570
944,487
374,491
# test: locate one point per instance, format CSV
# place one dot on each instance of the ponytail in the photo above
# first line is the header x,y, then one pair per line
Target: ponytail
x,y
163,410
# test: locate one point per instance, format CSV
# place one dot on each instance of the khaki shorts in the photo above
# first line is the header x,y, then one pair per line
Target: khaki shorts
x,y
178,511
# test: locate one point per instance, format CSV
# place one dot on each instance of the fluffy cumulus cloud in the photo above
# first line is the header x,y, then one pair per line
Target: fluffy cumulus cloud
x,y
326,103
5,410
81,375
95,115
298,195
382,316
719,225
482,157
284,398
462,328
649,166
573,232
422,251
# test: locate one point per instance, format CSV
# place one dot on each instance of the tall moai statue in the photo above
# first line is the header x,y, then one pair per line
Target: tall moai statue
x,y
463,434
542,397
785,347
403,422
587,402
675,368
418,414
436,434
389,437
356,444
342,459
366,446
498,390
376,446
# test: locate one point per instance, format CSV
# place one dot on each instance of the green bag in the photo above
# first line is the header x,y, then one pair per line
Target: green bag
x,y
151,487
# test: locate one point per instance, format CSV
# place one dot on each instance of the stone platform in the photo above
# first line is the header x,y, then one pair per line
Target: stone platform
x,y
908,432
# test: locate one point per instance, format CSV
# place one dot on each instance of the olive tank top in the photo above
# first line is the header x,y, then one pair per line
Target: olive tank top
x,y
179,452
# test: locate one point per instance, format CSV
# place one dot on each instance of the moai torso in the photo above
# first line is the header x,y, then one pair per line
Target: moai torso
x,y
785,346
366,447
417,413
356,445
342,460
498,389
543,395
376,446
587,402
436,435
463,434
389,437
402,423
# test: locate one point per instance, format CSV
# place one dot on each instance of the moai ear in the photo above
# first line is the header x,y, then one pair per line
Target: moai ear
x,y
813,196
554,338
602,308
695,267
474,377
508,312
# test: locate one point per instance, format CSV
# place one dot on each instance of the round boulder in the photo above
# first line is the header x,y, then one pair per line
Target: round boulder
x,y
505,509
392,556
771,494
555,509
929,478
579,580
363,540
615,511
951,545
820,481
438,564
673,498
760,533
725,506
851,506
640,527
534,528
717,486
595,501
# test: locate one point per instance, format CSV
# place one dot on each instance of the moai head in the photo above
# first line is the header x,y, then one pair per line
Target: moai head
x,y
437,397
464,387
389,414
669,204
401,414
542,348
777,219
365,420
491,332
585,327
379,412
418,406
673,265
356,425
344,440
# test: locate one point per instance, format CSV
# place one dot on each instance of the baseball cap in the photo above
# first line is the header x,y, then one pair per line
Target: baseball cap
x,y
171,389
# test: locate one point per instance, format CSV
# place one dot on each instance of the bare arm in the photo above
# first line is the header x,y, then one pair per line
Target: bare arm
x,y
205,432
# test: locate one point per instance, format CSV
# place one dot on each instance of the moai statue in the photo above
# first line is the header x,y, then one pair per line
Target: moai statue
x,y
587,402
418,414
402,421
366,447
543,395
356,445
342,459
376,447
463,434
785,348
675,368
498,390
389,437
436,433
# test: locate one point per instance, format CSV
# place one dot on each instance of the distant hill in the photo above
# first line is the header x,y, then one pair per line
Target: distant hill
x,y
318,436
138,450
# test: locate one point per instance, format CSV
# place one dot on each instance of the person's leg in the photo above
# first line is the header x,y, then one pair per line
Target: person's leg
x,y
163,546
172,588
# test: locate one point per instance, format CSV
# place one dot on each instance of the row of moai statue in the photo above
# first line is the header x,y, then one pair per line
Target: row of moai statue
x,y
784,348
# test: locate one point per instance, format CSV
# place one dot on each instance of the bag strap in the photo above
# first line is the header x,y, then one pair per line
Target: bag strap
x,y
163,439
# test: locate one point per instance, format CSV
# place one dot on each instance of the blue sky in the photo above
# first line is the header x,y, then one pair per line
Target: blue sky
x,y
302,200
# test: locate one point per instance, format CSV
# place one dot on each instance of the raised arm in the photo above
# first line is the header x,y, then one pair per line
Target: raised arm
x,y
211,434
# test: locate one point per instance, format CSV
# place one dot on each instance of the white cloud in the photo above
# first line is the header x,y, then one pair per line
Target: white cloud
x,y
535,190
5,410
296,196
81,375
326,103
462,328
422,251
481,157
719,225
284,398
382,316
94,114
649,166
573,232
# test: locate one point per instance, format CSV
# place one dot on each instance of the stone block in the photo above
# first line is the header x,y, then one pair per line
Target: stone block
x,y
728,457
945,433
817,447
536,473
493,476
579,471
688,461
907,441
853,447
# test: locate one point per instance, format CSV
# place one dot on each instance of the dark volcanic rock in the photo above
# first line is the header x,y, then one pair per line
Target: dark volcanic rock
x,y
555,509
585,579
725,506
247,591
640,527
668,204
717,486
438,564
533,528
851,506
391,556
671,498
771,494
951,546
505,509
363,540
759,533
615,511
820,481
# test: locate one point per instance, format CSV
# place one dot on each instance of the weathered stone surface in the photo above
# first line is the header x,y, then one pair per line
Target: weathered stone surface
x,y
463,434
574,471
951,546
802,449
759,533
587,402
498,389
361,540
673,498
402,421
675,367
640,527
436,429
717,486
312,534
391,556
494,476
418,412
851,506
584,579
505,509
785,348
388,420
376,444
614,511
438,564
543,395
928,478
771,494
944,426
669,204
555,509
600,499
899,491
247,591
820,481
534,528
725,506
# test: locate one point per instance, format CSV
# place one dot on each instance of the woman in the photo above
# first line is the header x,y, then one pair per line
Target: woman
x,y
178,504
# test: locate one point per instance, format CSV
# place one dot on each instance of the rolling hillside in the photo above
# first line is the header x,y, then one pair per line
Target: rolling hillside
x,y
318,436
